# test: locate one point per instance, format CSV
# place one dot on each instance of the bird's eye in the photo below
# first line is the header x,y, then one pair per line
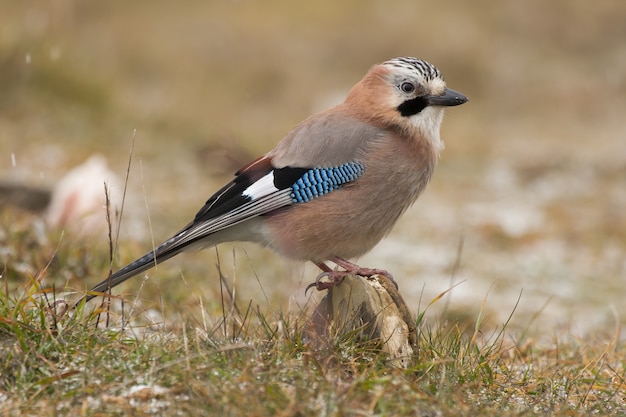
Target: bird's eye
x,y
407,87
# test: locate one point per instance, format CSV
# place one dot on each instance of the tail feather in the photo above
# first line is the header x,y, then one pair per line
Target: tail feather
x,y
161,253
136,267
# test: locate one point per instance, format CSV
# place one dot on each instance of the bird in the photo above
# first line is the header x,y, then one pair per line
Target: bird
x,y
335,185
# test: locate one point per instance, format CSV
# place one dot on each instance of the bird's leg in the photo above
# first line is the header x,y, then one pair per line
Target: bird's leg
x,y
335,277
323,266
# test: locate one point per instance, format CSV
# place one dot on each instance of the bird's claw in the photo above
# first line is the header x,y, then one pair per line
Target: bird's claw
x,y
335,277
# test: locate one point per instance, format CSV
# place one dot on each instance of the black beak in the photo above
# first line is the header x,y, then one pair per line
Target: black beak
x,y
449,98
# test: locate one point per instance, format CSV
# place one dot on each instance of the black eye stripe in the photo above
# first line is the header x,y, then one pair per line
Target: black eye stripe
x,y
413,106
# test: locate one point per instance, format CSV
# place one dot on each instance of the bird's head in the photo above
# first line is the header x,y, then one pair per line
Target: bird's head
x,y
406,92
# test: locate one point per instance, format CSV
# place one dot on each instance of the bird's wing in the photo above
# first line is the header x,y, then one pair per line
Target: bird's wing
x,y
259,189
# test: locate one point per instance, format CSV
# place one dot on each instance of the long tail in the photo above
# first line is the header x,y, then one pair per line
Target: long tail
x,y
161,253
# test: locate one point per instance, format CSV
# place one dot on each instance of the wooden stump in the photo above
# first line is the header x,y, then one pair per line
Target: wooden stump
x,y
375,308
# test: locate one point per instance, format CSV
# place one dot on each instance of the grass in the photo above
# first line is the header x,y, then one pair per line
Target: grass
x,y
240,359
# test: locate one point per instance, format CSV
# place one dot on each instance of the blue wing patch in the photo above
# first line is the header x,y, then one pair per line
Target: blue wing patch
x,y
319,181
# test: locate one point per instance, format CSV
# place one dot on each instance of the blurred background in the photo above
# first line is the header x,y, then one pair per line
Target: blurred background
x,y
529,197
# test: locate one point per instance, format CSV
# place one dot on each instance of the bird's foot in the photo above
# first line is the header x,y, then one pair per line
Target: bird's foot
x,y
335,277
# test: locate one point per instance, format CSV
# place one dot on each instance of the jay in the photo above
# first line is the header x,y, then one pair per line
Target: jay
x,y
334,186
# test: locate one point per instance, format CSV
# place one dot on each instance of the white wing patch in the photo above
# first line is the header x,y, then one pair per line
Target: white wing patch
x,y
262,187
